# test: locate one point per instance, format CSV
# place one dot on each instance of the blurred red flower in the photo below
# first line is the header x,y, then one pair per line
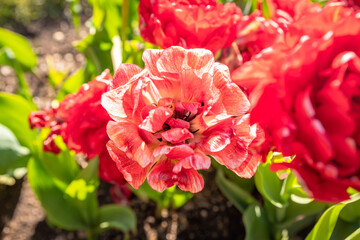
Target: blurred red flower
x,y
189,23
170,115
305,94
81,121
296,9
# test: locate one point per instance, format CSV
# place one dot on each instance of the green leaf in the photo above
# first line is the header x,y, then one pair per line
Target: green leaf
x,y
72,84
12,154
179,198
82,192
256,223
62,167
59,210
19,46
351,213
354,236
14,115
344,229
170,198
116,216
269,185
96,48
265,9
237,196
326,223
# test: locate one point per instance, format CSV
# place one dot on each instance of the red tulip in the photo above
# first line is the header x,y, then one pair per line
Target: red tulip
x,y
189,23
81,121
305,94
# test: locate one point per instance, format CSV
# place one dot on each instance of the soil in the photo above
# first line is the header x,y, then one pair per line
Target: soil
x,y
208,215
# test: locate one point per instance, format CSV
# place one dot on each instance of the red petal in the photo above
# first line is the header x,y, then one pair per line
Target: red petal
x,y
162,177
177,135
108,170
150,58
248,168
178,123
191,107
156,119
229,140
196,161
128,138
133,173
170,63
232,97
124,73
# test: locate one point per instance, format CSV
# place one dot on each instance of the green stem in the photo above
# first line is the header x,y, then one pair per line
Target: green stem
x,y
125,18
92,234
24,89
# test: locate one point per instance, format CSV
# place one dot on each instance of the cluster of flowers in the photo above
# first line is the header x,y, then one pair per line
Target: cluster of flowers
x,y
288,82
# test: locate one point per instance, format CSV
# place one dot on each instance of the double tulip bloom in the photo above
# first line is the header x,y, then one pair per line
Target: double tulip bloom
x,y
305,94
168,117
189,23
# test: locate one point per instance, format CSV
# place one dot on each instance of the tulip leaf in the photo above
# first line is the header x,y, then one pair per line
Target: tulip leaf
x,y
170,198
344,229
269,185
325,225
237,196
256,223
118,217
14,115
82,192
355,235
72,84
62,167
350,213
60,211
20,49
12,154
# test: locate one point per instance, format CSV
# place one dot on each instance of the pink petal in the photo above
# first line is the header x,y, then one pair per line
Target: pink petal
x,y
177,123
196,161
124,73
248,167
162,177
170,63
193,88
133,173
191,107
177,135
201,60
129,139
108,170
156,119
150,58
114,104
173,152
229,140
232,97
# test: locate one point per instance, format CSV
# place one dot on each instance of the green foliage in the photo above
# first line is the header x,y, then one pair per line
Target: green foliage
x,y
16,52
256,223
269,185
237,195
170,198
326,223
15,12
13,46
12,154
116,216
14,115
